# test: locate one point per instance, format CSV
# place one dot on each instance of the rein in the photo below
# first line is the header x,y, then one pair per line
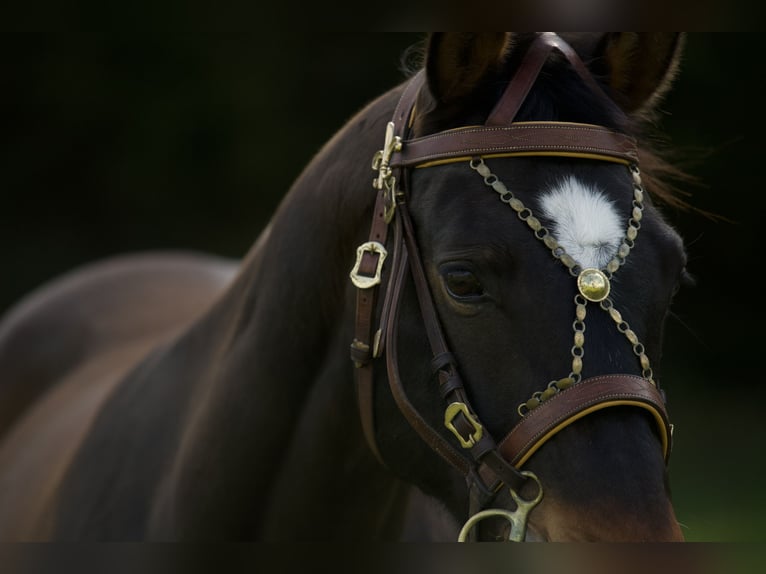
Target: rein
x,y
489,465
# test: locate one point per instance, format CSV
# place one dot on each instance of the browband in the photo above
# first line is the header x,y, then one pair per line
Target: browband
x,y
520,138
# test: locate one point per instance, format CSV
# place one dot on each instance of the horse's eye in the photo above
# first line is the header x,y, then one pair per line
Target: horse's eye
x,y
462,284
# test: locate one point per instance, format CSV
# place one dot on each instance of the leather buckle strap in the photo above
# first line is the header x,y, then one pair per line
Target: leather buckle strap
x,y
460,418
368,271
366,298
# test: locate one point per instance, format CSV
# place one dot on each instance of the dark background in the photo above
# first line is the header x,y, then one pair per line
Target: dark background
x,y
124,135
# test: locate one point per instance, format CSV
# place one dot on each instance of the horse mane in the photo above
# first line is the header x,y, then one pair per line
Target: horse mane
x,y
665,179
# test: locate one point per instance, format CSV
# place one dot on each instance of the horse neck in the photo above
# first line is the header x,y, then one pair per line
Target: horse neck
x,y
274,428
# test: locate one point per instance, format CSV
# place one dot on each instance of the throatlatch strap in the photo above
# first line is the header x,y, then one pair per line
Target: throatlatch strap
x,y
478,445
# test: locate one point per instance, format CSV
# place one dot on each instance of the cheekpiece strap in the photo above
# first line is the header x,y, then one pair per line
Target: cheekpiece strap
x,y
502,135
367,274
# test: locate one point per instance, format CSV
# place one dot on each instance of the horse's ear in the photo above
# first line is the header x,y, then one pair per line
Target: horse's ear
x,y
458,62
641,67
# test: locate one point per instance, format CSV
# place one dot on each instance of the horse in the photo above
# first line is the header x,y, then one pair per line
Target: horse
x,y
450,329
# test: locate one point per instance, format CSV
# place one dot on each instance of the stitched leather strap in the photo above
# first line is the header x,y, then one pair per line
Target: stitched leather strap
x,y
464,422
524,78
521,138
522,81
364,343
579,400
429,435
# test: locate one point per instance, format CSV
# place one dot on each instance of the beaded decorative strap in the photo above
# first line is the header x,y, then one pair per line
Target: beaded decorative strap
x,y
593,285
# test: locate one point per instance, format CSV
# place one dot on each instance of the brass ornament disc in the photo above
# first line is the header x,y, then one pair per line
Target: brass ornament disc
x,y
593,284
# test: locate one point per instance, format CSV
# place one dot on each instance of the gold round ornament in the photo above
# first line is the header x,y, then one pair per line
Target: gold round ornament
x,y
593,284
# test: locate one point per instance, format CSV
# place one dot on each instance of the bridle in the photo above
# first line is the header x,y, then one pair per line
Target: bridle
x,y
489,465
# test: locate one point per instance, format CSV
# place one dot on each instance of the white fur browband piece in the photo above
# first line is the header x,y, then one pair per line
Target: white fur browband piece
x,y
583,220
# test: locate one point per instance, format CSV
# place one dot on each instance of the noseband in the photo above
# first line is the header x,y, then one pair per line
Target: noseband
x,y
489,465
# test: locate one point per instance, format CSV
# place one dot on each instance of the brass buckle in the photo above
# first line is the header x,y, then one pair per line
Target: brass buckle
x,y
382,158
364,281
449,415
381,163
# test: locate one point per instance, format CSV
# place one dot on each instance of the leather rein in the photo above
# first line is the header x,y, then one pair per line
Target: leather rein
x,y
485,463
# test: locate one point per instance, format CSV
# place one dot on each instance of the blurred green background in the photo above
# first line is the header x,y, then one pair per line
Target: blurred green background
x,y
122,133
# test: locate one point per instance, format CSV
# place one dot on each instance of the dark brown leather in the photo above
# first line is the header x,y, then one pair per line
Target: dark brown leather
x,y
522,81
524,77
567,406
362,346
430,436
579,66
447,374
525,137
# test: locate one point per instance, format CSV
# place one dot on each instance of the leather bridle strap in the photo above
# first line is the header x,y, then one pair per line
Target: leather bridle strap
x,y
520,138
462,417
366,344
591,395
370,262
430,436
537,54
580,400
522,81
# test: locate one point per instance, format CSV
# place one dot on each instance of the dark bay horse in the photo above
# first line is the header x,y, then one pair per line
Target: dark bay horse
x,y
502,288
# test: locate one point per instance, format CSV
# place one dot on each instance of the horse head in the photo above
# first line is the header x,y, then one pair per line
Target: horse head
x,y
528,398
